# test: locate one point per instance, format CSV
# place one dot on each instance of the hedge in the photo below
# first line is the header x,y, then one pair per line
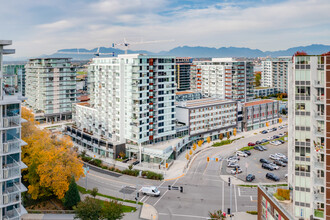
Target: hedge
x,y
285,193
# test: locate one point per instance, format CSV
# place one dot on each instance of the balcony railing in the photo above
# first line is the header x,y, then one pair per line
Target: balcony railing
x,y
13,214
318,83
11,170
11,121
11,195
11,146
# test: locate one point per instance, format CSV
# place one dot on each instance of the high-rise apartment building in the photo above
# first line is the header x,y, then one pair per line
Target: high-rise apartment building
x,y
51,88
182,66
18,73
223,78
309,135
274,73
132,101
10,144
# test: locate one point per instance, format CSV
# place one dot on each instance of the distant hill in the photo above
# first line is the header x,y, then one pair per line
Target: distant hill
x,y
187,51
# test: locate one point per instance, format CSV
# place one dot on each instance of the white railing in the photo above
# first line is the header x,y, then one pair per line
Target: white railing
x,y
11,146
11,195
11,170
11,121
13,214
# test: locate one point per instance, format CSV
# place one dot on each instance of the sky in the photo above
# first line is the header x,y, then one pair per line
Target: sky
x,y
44,26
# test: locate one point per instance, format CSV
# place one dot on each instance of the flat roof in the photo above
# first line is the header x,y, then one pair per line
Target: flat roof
x,y
199,103
84,104
259,102
184,92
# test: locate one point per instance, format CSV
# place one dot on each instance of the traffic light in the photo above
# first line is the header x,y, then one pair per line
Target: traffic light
x,y
166,165
236,170
169,187
181,189
228,211
217,159
228,181
208,159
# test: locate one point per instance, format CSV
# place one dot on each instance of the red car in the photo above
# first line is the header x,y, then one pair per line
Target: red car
x,y
251,144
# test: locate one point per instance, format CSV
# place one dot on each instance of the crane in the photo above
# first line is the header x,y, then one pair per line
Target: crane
x,y
126,44
97,53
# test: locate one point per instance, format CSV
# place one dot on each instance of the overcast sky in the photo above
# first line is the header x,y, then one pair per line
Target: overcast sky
x,y
44,26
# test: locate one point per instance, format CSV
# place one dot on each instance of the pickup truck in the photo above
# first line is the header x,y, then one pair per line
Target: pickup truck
x,y
150,190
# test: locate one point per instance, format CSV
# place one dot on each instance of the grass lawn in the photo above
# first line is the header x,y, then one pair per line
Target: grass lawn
x,y
123,207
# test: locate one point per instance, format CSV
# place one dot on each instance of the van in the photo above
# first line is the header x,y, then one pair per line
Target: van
x,y
150,191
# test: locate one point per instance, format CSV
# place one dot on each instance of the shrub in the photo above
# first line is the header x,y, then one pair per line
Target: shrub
x,y
130,172
278,197
96,162
252,212
285,193
154,176
94,192
72,197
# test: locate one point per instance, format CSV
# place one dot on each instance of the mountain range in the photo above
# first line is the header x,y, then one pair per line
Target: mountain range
x,y
198,51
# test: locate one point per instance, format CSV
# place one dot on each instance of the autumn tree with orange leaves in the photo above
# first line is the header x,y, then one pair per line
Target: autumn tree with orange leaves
x,y
51,160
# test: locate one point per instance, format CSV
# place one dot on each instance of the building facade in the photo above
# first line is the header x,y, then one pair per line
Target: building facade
x,y
258,92
274,73
182,67
10,144
187,95
18,73
259,114
208,117
309,137
132,102
223,78
51,88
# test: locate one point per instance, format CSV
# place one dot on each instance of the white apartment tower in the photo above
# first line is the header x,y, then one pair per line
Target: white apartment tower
x,y
51,88
274,73
223,78
309,135
10,144
131,99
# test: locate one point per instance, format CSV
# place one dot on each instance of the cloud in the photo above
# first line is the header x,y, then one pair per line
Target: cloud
x,y
268,25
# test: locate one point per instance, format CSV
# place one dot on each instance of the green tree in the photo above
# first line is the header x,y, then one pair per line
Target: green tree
x,y
72,196
94,192
112,210
257,78
89,209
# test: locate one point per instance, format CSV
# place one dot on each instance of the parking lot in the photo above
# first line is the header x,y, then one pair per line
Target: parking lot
x,y
251,164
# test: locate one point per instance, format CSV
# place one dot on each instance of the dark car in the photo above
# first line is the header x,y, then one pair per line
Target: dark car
x,y
251,144
258,148
247,152
267,166
262,147
264,132
136,162
262,160
272,177
276,136
125,161
258,142
264,140
282,142
250,177
274,129
284,160
280,163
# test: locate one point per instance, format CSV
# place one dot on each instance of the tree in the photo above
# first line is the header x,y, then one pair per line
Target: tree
x,y
228,135
208,139
122,154
94,192
257,78
51,160
283,111
89,209
221,137
235,132
199,143
194,146
72,197
112,210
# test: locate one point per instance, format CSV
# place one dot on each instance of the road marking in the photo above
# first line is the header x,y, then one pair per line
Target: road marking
x,y
158,187
223,195
251,198
239,192
174,178
188,216
164,193
206,167
235,197
196,169
111,180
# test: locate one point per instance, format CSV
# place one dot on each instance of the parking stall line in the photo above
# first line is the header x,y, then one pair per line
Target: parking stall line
x,y
235,197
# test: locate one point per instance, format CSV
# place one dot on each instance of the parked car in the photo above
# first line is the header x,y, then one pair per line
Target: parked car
x,y
276,143
247,152
274,157
274,166
150,190
264,141
258,142
270,130
280,163
258,148
270,138
262,160
250,177
280,155
281,141
267,166
263,147
231,158
274,129
272,177
233,164
264,132
284,126
251,144
284,160
286,176
276,136
280,127
281,134
125,161
236,171
240,153
135,162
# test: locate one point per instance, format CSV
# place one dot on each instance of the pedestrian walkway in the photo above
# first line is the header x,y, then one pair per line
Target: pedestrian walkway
x,y
47,217
148,212
244,215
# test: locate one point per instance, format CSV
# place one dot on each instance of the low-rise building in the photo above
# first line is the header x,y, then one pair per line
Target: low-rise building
x,y
259,114
207,117
264,91
187,95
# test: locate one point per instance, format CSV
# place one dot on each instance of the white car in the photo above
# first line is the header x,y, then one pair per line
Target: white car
x,y
233,171
274,166
286,176
270,130
280,127
284,126
274,143
280,155
150,190
274,157
240,153
233,158
232,164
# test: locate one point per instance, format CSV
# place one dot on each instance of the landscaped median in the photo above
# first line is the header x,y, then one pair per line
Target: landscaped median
x,y
130,171
225,142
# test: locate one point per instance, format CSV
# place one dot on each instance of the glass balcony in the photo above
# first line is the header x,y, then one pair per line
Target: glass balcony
x,y
11,121
319,84
12,170
11,146
13,214
11,195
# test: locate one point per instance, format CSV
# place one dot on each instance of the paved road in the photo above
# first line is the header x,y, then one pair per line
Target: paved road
x,y
204,189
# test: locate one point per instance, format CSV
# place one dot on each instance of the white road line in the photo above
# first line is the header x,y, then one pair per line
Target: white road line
x,y
223,195
188,216
196,169
239,191
164,193
213,180
142,198
251,198
235,198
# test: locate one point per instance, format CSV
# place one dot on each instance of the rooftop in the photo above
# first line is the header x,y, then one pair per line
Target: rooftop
x,y
198,103
259,102
184,92
83,98
84,104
